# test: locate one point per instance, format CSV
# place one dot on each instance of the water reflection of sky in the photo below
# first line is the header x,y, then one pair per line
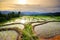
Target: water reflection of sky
x,y
48,30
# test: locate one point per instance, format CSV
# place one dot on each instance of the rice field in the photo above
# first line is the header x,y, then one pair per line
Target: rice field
x,y
27,33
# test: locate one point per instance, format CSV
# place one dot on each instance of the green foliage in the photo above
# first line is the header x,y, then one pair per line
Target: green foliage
x,y
28,33
9,16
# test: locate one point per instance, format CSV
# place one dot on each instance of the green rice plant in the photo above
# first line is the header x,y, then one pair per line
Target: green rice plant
x,y
28,33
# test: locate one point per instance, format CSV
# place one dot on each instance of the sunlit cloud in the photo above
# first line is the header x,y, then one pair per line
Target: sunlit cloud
x,y
30,5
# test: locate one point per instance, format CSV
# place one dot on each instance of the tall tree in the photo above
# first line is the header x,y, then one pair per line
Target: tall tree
x,y
19,13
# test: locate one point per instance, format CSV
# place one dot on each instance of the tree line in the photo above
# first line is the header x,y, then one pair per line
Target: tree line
x,y
5,17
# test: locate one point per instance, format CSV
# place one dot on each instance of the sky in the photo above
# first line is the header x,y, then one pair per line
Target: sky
x,y
31,5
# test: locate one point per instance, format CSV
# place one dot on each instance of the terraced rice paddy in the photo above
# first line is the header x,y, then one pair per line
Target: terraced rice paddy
x,y
27,27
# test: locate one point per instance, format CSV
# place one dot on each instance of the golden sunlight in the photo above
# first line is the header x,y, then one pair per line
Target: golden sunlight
x,y
22,1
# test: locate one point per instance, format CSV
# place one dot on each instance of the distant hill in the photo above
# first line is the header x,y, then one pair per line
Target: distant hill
x,y
40,13
33,13
4,12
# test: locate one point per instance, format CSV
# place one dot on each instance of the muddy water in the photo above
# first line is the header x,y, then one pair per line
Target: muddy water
x,y
48,30
8,35
20,26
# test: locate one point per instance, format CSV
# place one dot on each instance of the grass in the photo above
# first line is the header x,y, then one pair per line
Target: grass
x,y
5,20
34,18
39,18
27,32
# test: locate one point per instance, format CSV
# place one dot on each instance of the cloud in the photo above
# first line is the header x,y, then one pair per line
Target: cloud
x,y
30,8
38,5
